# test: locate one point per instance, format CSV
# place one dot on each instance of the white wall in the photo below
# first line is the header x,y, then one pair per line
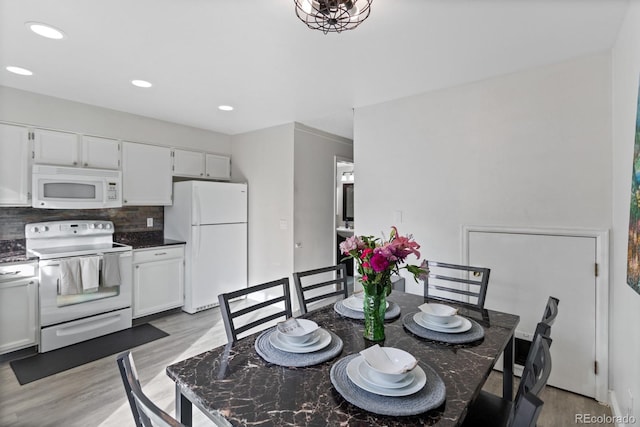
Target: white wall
x,y
264,159
525,149
32,109
625,303
314,192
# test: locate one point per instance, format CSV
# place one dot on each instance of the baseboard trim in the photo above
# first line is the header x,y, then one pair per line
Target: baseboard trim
x,y
619,417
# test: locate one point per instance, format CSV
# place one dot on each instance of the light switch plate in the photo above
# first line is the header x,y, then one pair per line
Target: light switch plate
x,y
149,222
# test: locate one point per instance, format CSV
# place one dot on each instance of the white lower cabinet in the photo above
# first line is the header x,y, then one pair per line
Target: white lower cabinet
x,y
18,306
158,279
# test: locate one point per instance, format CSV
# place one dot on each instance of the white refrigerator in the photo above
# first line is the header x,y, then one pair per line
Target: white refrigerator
x,y
212,218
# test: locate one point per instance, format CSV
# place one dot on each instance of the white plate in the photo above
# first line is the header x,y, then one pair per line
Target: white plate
x,y
419,380
323,341
355,303
364,369
457,321
464,327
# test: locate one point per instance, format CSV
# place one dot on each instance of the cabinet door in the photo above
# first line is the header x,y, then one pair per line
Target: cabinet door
x,y
218,167
146,174
158,286
101,153
56,148
14,166
17,315
188,163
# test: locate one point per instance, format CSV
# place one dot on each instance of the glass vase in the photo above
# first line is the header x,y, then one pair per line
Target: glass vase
x,y
375,307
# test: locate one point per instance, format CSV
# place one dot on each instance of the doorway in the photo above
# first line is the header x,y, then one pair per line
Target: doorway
x,y
344,214
528,266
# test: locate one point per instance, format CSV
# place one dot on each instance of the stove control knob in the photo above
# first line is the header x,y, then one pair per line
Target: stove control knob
x,y
92,226
45,228
107,226
35,229
100,226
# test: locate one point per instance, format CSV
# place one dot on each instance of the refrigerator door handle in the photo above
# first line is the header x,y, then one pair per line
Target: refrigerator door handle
x,y
196,199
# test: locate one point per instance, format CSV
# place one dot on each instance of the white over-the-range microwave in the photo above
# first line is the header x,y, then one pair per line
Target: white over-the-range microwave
x,y
60,187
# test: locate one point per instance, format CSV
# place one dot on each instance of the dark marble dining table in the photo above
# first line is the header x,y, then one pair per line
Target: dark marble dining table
x,y
233,385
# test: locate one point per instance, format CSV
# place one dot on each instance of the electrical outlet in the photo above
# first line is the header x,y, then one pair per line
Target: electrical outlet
x,y
149,222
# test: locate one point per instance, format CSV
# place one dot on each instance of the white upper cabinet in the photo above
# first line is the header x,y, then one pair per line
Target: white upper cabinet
x,y
56,148
146,175
101,153
217,167
188,163
70,149
15,175
201,165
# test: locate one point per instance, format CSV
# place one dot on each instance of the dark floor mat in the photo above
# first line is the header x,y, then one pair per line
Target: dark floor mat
x,y
42,365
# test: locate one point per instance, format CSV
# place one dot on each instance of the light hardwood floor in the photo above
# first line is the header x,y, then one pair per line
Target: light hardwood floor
x,y
92,394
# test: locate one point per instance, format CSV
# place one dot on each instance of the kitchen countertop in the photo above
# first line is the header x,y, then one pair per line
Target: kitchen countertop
x,y
14,251
145,239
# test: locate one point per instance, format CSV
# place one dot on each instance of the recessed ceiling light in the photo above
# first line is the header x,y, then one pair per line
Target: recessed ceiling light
x,y
141,83
225,107
45,30
19,70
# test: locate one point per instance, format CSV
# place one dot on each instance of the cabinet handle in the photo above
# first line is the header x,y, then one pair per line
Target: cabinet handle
x,y
137,266
9,273
208,175
160,253
200,174
86,164
75,163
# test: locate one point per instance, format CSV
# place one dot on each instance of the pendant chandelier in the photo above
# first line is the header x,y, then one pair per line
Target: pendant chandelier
x,y
332,16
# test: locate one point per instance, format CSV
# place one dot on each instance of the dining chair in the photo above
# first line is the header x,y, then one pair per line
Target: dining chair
x,y
320,284
490,410
527,411
145,412
460,284
550,311
263,303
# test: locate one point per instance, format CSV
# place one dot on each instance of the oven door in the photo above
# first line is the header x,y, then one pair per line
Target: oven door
x,y
58,306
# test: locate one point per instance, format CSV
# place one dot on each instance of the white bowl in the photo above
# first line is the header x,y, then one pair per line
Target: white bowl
x,y
399,365
438,313
303,332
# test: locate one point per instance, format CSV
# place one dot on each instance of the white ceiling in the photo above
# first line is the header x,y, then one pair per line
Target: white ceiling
x,y
257,56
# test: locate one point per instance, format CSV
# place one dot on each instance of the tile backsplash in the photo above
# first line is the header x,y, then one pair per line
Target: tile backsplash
x,y
126,219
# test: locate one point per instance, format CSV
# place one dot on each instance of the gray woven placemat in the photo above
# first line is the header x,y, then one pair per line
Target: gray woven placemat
x,y
475,333
283,358
392,312
430,397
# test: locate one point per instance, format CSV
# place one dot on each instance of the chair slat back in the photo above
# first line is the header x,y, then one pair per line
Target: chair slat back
x,y
313,286
460,284
274,302
526,411
537,368
145,412
550,311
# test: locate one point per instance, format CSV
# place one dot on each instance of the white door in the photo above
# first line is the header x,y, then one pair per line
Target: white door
x,y
101,153
525,270
219,203
218,262
146,175
188,163
14,166
56,148
218,167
